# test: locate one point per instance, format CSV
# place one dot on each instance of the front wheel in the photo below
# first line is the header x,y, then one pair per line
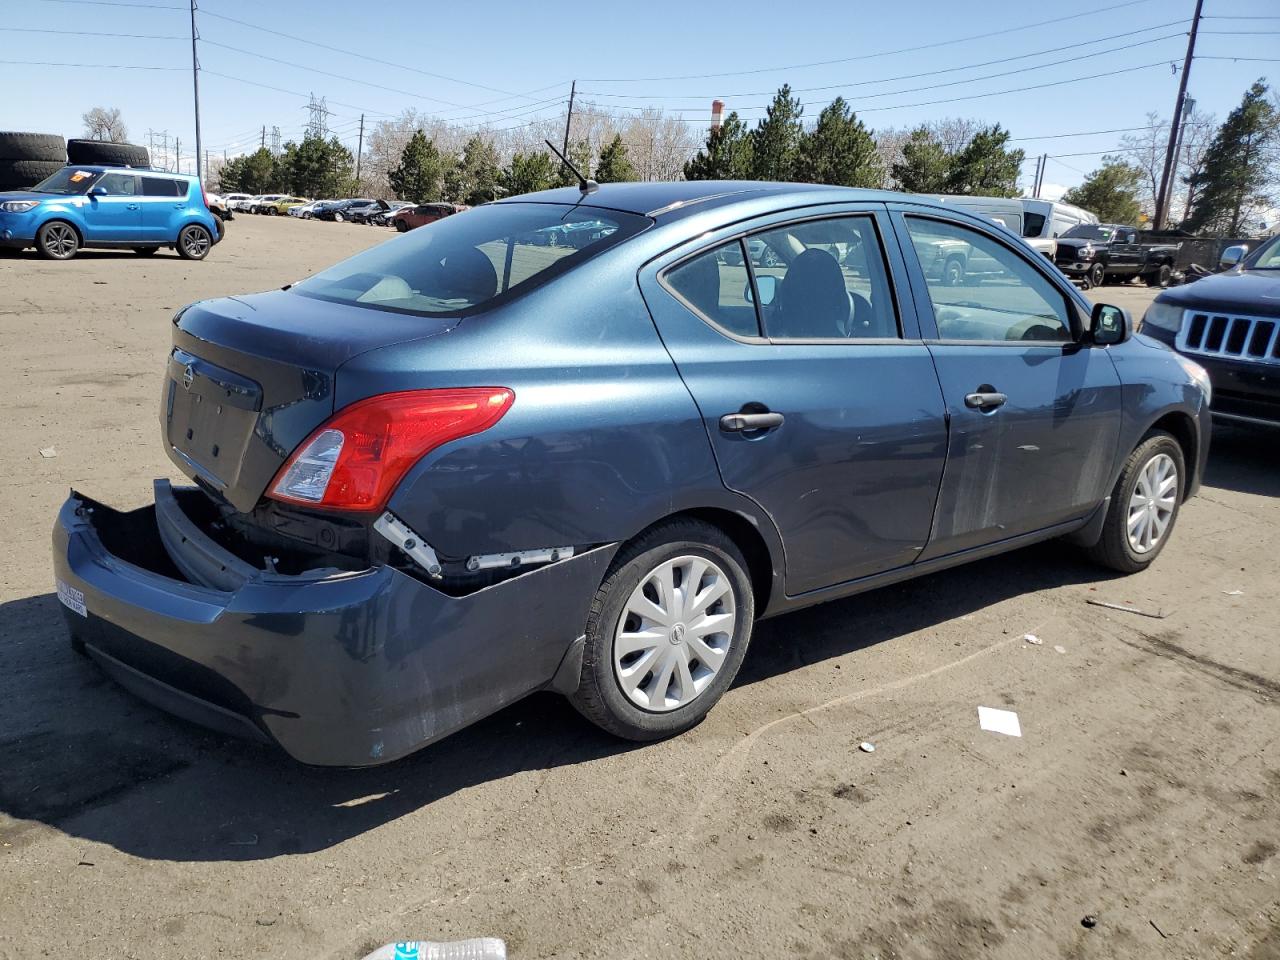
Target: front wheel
x,y
57,241
194,242
402,226
953,272
338,218
667,632
1097,274
1144,505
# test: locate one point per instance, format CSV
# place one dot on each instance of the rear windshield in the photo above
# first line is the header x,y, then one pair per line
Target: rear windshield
x,y
1089,231
68,181
455,265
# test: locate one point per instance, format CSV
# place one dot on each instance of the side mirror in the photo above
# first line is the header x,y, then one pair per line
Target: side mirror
x,y
1232,256
1110,325
97,191
768,287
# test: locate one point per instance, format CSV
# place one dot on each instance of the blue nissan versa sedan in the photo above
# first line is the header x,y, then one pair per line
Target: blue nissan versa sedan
x,y
91,206
469,464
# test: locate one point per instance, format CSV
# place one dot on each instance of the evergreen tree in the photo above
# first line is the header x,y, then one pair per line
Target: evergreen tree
x,y
726,156
614,166
472,179
317,167
1239,166
259,172
776,139
984,168
526,173
418,177
925,164
1110,192
579,155
839,150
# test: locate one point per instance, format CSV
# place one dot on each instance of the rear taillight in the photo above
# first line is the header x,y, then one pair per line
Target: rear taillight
x,y
356,459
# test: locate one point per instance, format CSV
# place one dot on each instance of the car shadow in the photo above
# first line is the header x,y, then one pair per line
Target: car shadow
x,y
83,756
97,254
1244,459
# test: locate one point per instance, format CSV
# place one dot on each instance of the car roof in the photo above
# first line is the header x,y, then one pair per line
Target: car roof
x,y
117,168
669,199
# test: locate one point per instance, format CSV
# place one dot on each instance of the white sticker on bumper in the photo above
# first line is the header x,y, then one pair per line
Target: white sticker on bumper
x,y
72,598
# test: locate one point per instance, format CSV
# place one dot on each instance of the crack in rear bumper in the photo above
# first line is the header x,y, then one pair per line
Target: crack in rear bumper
x,y
338,669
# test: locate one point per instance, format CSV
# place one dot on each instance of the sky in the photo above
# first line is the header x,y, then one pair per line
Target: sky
x,y
1097,69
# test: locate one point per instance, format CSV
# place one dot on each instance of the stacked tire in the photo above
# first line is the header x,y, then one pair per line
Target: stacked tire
x,y
28,158
91,152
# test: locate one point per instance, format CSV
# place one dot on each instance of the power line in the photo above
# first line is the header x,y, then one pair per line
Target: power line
x,y
93,66
388,63
870,56
914,76
93,33
1087,133
121,3
1201,56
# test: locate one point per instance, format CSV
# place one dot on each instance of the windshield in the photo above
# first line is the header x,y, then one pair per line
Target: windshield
x,y
1089,231
68,182
1267,257
455,265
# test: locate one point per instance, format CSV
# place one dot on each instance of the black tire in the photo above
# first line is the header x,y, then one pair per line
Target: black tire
x,y
338,217
145,251
953,272
600,697
401,226
95,152
33,146
194,242
20,174
1113,548
272,212
1097,275
1159,277
57,240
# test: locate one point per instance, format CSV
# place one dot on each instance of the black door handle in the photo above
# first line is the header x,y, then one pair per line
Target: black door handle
x,y
749,422
985,400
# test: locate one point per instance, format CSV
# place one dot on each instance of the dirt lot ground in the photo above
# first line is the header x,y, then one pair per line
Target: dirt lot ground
x,y
1145,789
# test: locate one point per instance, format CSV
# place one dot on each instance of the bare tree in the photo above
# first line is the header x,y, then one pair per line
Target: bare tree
x,y
106,124
1197,135
1145,149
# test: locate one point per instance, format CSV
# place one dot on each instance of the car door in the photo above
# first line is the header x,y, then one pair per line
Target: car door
x,y
162,199
1034,412
113,213
817,394
1124,253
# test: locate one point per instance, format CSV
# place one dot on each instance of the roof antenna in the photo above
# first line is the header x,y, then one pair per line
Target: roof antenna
x,y
585,186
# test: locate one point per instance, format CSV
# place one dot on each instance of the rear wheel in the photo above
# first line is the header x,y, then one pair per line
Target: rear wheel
x,y
1160,276
57,240
194,242
667,632
1144,505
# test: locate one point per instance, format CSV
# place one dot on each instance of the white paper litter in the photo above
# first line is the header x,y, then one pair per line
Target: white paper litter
x,y
1234,593
1059,649
867,747
1032,638
999,721
48,453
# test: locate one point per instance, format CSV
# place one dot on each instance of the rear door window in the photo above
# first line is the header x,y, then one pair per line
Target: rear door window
x,y
119,184
823,280
716,285
160,187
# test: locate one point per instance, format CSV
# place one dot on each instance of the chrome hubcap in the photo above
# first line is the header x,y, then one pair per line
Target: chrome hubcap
x,y
674,633
1151,506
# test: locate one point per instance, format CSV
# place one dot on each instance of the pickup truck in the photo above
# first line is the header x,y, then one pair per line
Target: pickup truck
x,y
1096,252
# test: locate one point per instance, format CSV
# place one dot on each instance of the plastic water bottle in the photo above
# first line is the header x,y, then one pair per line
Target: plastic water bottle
x,y
481,948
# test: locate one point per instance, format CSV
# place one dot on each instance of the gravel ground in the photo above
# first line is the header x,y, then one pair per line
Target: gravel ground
x,y
1144,791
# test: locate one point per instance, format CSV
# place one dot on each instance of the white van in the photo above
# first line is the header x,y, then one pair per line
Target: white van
x,y
1048,219
1005,211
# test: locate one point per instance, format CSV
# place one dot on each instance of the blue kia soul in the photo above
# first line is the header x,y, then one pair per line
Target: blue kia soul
x,y
95,206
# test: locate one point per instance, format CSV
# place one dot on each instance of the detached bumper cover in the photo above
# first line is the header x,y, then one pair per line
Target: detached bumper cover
x,y
339,669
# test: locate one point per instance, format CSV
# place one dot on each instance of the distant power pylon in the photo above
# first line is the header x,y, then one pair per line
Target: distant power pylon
x,y
318,125
275,141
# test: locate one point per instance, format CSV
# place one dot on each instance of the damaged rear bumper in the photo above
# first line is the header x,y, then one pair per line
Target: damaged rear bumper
x,y
339,668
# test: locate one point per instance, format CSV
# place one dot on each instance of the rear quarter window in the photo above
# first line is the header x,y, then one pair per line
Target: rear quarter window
x,y
163,187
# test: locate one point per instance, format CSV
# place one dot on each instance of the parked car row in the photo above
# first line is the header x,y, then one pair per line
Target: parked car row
x,y
401,214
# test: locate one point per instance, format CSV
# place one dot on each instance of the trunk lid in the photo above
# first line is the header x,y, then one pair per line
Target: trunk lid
x,y
249,378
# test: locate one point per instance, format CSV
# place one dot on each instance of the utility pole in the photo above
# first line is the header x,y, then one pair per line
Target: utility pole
x,y
1163,197
360,148
1188,109
264,136
177,154
195,84
573,89
1035,183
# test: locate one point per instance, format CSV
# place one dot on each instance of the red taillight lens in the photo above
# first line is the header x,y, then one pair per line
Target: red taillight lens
x,y
356,459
